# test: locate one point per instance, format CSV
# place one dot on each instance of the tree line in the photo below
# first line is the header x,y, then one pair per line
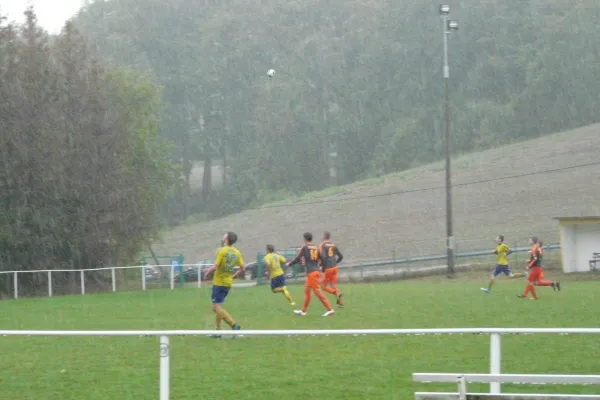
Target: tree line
x,y
358,90
83,173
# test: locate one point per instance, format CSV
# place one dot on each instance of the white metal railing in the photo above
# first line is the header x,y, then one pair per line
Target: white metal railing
x,y
495,346
112,270
520,379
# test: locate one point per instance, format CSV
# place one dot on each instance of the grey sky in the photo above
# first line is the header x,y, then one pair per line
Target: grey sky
x,y
52,14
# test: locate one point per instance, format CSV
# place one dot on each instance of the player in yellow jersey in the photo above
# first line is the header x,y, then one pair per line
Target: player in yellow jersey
x,y
228,257
273,262
502,251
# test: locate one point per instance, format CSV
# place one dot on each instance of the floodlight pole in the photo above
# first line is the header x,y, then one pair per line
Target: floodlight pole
x,y
449,220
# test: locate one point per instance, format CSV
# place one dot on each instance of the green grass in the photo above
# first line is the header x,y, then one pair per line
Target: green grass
x,y
374,367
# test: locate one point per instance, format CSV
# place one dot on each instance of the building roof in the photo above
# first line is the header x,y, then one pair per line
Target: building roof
x,y
583,218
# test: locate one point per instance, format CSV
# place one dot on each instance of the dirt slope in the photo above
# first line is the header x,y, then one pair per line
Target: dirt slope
x,y
488,199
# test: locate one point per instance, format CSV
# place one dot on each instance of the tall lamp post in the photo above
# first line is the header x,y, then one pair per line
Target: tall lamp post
x,y
448,26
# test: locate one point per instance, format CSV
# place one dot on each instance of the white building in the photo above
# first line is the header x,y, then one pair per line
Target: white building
x,y
579,240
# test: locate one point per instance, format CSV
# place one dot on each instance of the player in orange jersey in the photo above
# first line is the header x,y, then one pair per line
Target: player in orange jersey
x,y
331,257
536,274
309,255
542,282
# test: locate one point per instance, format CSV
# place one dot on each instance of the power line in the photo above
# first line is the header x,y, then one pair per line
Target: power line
x,y
401,192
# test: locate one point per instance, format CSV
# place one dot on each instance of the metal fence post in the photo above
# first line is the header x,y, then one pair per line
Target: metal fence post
x,y
164,367
144,277
199,276
114,279
49,283
16,285
82,282
495,360
171,267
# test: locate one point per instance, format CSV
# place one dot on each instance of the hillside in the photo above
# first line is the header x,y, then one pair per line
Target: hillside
x,y
490,198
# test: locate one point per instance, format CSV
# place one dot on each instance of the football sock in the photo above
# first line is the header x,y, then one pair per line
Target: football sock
x,y
306,299
226,317
545,283
219,320
321,297
517,275
490,284
530,289
330,290
287,294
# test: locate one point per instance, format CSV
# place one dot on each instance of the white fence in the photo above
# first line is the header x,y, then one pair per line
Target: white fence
x,y
144,279
495,342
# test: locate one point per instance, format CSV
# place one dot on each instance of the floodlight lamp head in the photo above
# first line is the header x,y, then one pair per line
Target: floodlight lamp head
x,y
452,25
444,9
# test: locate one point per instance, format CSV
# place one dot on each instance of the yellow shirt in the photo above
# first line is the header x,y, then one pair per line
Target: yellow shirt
x,y
273,261
502,250
228,258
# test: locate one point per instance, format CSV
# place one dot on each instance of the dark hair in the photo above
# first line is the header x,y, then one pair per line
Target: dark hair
x,y
327,235
540,243
308,236
270,248
231,238
501,238
534,239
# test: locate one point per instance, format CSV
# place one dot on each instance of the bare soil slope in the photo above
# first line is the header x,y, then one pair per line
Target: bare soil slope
x,y
514,190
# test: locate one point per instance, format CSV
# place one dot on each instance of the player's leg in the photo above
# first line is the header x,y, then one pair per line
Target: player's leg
x,y
495,273
278,286
326,285
313,283
334,281
532,278
307,296
219,293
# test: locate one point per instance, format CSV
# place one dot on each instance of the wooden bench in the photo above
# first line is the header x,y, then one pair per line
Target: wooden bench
x,y
594,261
462,379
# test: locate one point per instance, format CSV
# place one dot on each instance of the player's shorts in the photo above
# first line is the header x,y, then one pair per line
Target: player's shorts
x,y
535,274
219,293
313,280
277,282
331,276
502,269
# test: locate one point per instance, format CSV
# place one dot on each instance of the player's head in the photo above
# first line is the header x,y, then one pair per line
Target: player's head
x,y
229,239
307,237
533,240
500,239
270,248
326,235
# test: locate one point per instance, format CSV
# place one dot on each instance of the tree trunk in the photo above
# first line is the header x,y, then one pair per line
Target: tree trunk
x,y
207,178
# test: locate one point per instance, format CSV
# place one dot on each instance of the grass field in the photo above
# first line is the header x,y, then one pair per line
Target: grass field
x,y
292,368
368,223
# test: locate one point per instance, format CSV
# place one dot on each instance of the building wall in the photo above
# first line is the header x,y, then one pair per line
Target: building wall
x,y
578,242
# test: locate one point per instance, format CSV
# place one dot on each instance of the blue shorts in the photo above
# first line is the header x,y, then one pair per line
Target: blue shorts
x,y
502,269
219,293
277,282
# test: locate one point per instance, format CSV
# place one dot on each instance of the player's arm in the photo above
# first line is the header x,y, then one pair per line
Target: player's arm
x,y
534,257
218,261
508,250
339,255
320,260
282,259
240,263
296,259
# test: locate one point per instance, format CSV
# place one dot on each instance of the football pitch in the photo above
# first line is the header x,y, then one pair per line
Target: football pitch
x,y
371,367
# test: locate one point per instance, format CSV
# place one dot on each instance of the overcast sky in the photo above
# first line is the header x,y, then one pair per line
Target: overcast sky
x,y
51,14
